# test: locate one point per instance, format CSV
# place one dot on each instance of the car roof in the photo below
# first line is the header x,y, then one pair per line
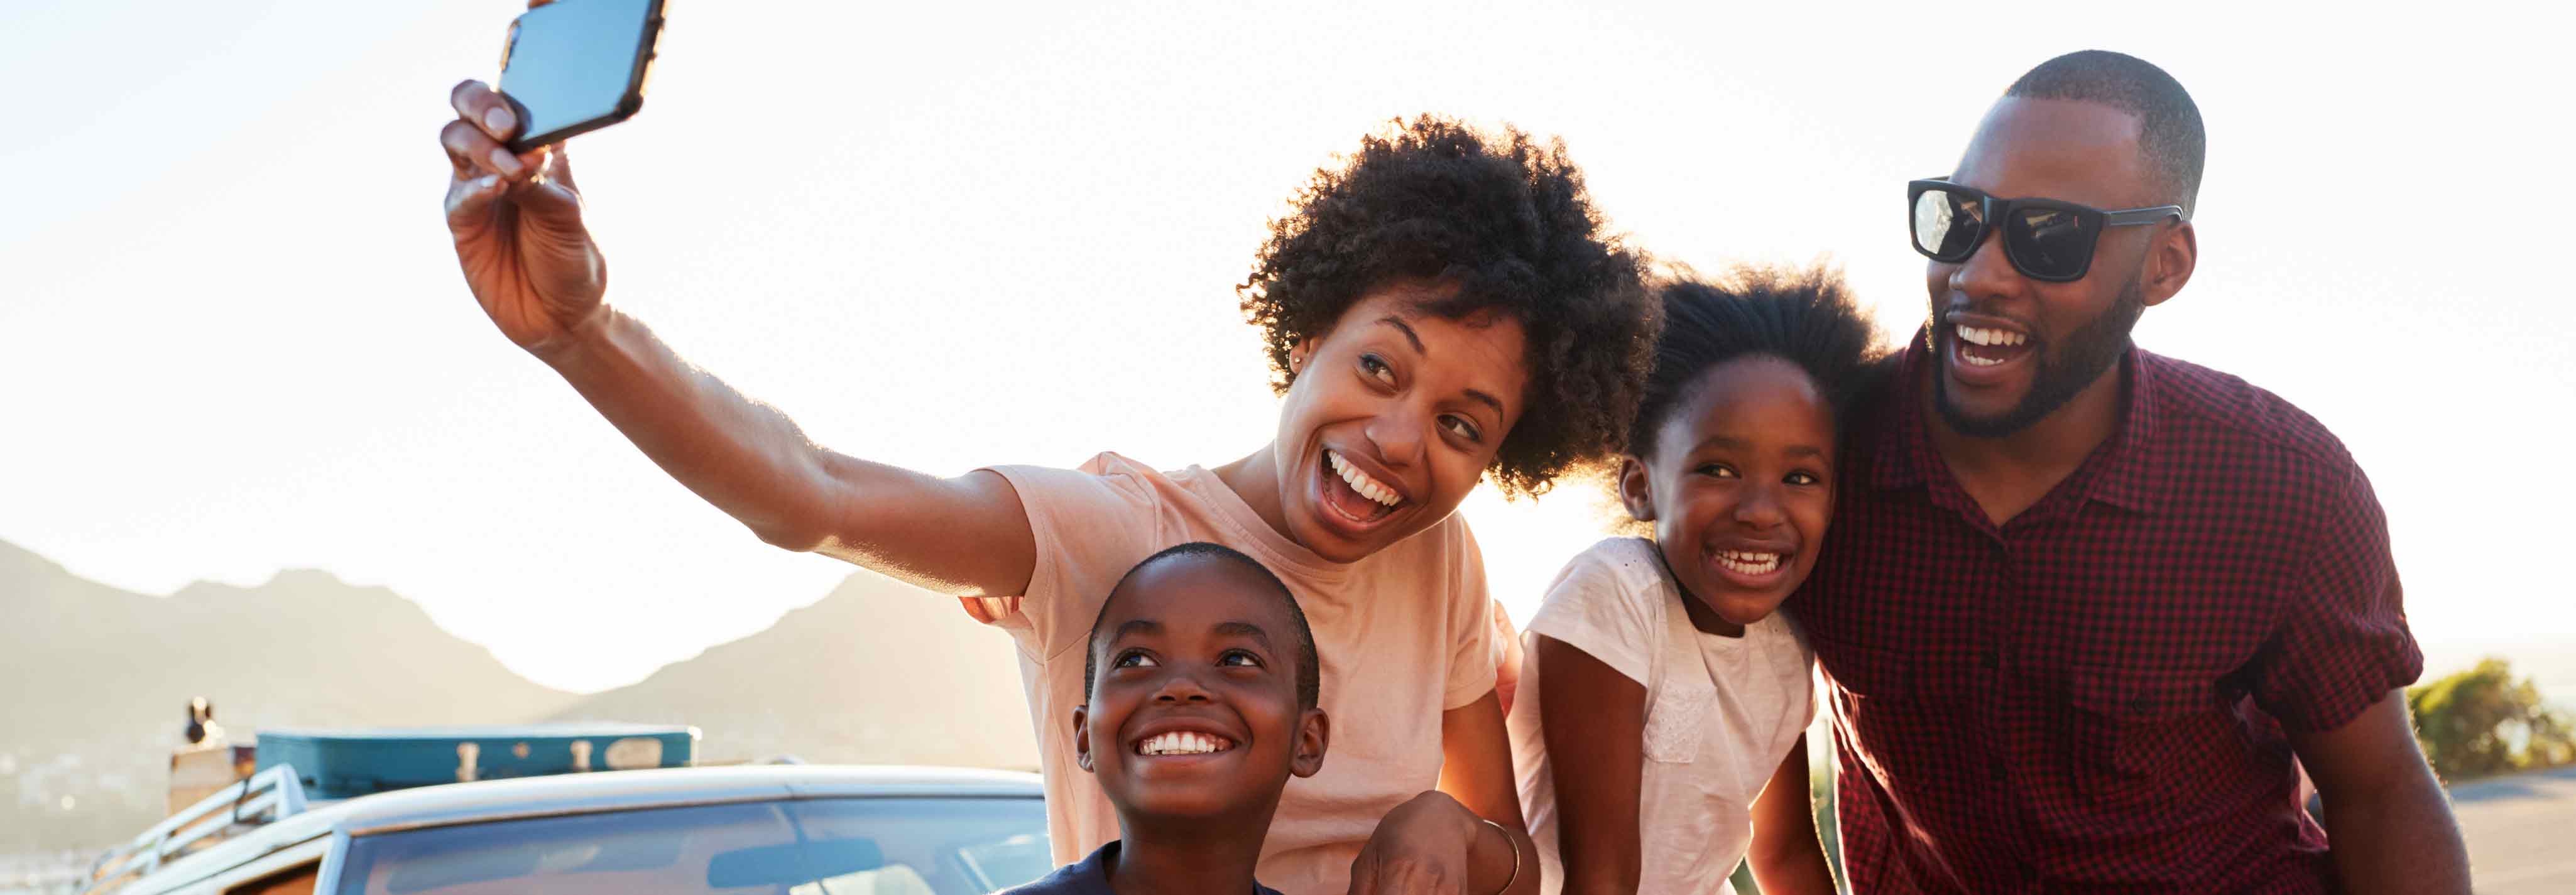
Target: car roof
x,y
626,790
492,800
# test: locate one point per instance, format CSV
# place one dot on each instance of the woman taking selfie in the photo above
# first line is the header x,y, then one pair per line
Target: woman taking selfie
x,y
1440,307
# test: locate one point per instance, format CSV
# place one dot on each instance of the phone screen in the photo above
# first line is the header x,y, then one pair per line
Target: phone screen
x,y
576,65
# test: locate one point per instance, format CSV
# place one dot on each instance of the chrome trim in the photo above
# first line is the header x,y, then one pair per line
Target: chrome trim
x,y
405,826
334,859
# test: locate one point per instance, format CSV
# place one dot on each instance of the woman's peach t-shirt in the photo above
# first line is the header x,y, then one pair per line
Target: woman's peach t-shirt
x,y
1404,635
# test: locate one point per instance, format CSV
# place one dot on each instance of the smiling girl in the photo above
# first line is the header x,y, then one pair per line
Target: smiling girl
x,y
1683,750
1442,308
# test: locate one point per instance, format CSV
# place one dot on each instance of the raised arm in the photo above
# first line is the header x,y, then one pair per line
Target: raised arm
x,y
532,266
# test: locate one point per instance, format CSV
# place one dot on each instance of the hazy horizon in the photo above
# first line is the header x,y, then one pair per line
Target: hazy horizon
x,y
241,344
2539,657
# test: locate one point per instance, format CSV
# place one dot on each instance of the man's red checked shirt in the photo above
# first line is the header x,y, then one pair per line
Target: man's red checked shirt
x,y
2092,696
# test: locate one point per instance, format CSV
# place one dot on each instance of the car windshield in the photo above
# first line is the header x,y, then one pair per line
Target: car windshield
x,y
850,846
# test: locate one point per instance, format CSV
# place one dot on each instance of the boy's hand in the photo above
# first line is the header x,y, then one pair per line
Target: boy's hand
x,y
1420,847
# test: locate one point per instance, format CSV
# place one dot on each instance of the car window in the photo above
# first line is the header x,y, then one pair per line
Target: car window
x,y
852,846
949,845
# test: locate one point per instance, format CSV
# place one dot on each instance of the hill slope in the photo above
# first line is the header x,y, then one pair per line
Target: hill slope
x,y
99,679
875,672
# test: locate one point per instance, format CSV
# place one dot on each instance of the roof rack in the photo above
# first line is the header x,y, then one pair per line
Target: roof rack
x,y
266,797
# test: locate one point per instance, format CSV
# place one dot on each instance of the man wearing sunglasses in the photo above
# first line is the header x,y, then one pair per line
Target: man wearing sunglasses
x,y
2088,610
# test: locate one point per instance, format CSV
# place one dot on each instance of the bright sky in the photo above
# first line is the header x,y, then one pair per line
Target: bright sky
x,y
234,338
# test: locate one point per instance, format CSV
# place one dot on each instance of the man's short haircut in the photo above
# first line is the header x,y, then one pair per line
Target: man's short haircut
x,y
2170,138
1806,317
1310,673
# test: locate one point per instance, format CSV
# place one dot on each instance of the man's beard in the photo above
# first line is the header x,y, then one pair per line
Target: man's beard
x,y
2086,354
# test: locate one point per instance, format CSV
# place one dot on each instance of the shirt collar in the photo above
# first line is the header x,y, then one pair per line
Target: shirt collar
x,y
1902,452
2122,479
2116,474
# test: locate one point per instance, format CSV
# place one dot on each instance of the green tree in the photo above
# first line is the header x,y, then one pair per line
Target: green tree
x,y
2484,721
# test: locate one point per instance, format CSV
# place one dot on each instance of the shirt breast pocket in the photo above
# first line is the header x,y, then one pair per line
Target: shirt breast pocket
x,y
2137,732
1868,680
1677,717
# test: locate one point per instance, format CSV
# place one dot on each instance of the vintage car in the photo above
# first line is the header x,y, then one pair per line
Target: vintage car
x,y
786,829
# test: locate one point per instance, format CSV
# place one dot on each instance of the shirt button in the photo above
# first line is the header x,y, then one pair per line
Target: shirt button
x,y
2138,704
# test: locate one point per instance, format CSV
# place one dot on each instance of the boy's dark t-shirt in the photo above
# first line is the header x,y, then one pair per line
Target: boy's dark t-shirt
x,y
1090,876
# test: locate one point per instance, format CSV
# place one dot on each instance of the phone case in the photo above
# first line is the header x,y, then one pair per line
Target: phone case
x,y
627,105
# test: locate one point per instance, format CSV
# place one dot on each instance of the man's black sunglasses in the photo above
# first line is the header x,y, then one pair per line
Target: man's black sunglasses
x,y
2045,239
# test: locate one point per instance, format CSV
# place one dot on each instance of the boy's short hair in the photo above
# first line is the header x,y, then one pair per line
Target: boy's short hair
x,y
1310,674
1506,221
1806,317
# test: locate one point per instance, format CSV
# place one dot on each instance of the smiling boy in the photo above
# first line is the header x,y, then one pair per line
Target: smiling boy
x,y
1203,681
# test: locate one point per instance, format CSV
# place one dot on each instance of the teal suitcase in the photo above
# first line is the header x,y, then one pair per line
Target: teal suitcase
x,y
339,764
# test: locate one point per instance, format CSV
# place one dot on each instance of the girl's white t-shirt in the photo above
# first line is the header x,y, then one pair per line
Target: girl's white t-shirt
x,y
1721,713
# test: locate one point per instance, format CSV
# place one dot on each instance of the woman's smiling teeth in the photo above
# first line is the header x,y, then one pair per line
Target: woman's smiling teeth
x,y
1183,743
1360,482
1749,562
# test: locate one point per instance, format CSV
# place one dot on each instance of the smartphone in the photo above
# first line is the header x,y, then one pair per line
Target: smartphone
x,y
575,66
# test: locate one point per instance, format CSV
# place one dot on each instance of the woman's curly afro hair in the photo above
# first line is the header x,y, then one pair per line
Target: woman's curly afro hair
x,y
1504,221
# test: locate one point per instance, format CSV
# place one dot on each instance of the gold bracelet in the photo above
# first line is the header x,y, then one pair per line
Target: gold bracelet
x,y
1515,846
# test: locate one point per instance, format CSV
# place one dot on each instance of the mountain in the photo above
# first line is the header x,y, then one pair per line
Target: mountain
x,y
876,672
99,680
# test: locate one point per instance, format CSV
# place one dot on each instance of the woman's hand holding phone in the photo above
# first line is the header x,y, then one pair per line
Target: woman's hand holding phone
x,y
517,224
516,219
